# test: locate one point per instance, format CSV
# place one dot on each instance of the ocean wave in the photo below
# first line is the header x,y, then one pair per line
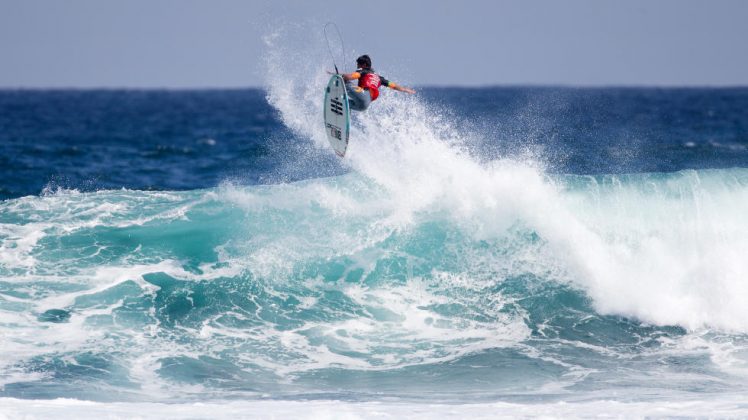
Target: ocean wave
x,y
336,274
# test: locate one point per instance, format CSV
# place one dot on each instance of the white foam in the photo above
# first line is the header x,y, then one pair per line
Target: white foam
x,y
721,407
665,252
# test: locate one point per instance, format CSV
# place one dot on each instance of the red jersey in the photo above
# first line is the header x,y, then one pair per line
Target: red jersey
x,y
368,80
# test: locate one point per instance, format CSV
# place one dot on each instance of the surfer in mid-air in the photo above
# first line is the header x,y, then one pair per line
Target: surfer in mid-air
x,y
367,89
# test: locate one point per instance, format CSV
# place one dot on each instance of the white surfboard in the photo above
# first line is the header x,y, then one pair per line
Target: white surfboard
x,y
337,114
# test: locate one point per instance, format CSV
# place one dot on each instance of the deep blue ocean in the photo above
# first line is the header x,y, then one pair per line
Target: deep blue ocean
x,y
181,140
509,250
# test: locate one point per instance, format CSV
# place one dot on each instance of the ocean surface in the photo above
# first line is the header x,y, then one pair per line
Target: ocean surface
x,y
479,252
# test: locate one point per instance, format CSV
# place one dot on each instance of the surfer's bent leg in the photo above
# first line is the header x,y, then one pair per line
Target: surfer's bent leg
x,y
358,99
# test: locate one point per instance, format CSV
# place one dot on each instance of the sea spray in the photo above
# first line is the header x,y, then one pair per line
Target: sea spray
x,y
419,159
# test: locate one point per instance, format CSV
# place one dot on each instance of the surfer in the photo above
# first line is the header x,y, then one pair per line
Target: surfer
x,y
367,89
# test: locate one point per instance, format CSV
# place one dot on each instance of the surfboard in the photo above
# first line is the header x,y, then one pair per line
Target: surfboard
x,y
337,114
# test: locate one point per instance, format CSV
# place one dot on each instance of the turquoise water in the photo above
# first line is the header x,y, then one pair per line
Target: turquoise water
x,y
330,289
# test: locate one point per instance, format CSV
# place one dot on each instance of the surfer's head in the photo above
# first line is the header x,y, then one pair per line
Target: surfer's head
x,y
364,62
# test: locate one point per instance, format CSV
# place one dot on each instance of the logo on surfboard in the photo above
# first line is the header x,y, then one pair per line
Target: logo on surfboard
x,y
335,131
336,106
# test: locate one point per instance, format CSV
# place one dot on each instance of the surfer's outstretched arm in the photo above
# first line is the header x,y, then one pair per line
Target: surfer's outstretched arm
x,y
395,86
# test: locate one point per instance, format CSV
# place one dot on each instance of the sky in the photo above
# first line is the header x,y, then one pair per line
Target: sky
x,y
219,43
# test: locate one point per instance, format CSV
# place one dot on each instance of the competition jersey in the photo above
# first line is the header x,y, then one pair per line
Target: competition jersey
x,y
369,80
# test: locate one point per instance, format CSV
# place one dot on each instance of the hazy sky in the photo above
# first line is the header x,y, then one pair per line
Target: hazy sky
x,y
218,43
